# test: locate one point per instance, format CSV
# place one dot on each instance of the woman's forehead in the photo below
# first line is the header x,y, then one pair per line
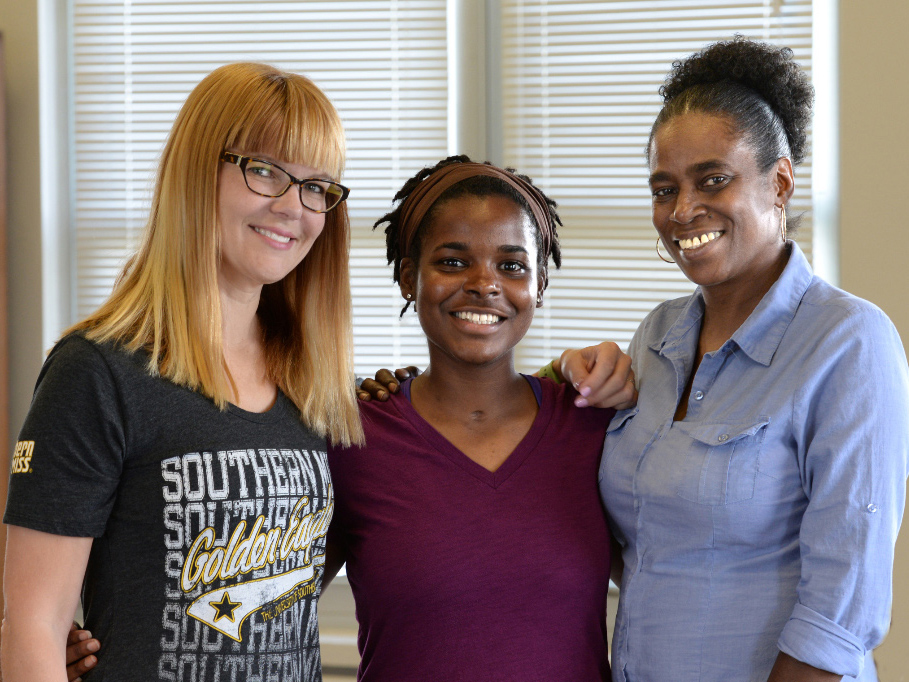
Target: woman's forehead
x,y
695,139
488,220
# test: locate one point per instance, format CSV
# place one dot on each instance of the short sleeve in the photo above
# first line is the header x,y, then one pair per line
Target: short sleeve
x,y
67,463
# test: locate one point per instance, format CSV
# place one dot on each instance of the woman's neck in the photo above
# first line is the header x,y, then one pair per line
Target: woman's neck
x,y
466,387
244,353
239,323
727,306
485,411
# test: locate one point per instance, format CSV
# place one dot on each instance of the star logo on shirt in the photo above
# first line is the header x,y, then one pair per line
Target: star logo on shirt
x,y
225,608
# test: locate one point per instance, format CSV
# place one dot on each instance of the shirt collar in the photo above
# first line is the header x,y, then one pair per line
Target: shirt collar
x,y
684,329
760,335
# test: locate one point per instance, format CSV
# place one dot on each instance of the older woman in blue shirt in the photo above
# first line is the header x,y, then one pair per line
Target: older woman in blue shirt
x,y
758,486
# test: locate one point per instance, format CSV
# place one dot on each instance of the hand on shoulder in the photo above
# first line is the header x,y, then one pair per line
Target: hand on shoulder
x,y
601,374
385,383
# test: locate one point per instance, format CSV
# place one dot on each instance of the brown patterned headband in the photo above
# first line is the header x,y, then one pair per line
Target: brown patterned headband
x,y
421,199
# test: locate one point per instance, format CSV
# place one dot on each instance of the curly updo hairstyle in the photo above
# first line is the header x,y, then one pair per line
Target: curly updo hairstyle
x,y
758,86
477,186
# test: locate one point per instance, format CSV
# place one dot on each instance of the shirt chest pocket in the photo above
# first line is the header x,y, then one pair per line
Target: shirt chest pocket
x,y
721,463
615,432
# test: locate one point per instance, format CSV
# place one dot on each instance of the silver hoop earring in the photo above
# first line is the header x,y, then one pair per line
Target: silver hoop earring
x,y
783,223
660,253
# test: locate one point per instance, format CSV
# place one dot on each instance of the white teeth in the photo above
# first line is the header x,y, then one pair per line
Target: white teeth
x,y
478,318
272,235
685,244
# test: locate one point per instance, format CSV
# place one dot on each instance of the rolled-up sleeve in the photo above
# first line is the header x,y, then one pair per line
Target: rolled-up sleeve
x,y
851,417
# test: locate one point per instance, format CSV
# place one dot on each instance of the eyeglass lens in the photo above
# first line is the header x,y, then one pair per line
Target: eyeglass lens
x,y
271,181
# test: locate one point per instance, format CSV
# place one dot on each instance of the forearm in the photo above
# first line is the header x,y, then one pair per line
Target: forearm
x,y
33,651
788,669
39,605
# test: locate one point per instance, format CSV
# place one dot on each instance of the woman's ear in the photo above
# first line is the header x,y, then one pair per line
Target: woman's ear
x,y
408,281
784,180
542,282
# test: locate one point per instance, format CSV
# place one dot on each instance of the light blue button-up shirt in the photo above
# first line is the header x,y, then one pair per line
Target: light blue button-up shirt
x,y
766,519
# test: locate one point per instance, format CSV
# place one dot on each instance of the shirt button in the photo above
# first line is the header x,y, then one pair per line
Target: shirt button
x,y
699,395
871,508
724,437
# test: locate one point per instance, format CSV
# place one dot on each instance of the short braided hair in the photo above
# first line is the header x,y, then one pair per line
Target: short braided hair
x,y
478,186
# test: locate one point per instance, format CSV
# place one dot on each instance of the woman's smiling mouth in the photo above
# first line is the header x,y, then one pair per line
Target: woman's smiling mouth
x,y
280,238
695,242
478,318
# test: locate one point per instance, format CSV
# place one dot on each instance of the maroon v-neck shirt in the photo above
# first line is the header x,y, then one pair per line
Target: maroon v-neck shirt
x,y
460,573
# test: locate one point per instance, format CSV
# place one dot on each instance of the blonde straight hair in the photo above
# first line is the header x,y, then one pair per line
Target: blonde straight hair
x,y
166,301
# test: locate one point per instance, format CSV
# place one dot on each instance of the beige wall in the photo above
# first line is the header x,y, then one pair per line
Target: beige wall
x,y
874,175
874,178
19,25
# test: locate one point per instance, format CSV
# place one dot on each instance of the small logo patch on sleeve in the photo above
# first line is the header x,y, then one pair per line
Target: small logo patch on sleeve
x,y
22,457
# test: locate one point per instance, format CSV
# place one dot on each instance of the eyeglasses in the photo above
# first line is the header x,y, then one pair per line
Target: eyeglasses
x,y
269,180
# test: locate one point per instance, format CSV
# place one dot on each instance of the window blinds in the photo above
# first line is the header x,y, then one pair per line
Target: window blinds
x,y
382,62
578,86
580,82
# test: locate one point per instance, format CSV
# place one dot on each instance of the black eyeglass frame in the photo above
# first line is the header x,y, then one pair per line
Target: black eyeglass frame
x,y
242,161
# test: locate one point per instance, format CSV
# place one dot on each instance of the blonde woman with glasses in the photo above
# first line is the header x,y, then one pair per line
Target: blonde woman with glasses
x,y
173,463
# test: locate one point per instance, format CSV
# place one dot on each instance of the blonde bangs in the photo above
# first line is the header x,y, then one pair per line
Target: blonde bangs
x,y
292,120
167,300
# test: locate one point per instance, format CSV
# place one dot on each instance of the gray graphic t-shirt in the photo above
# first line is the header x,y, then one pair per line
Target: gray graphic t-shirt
x,y
209,526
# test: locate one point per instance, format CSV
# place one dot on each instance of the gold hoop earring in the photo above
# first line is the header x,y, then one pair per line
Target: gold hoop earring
x,y
660,253
783,223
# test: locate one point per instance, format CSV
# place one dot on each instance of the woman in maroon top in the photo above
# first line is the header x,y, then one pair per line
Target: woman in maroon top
x,y
476,544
